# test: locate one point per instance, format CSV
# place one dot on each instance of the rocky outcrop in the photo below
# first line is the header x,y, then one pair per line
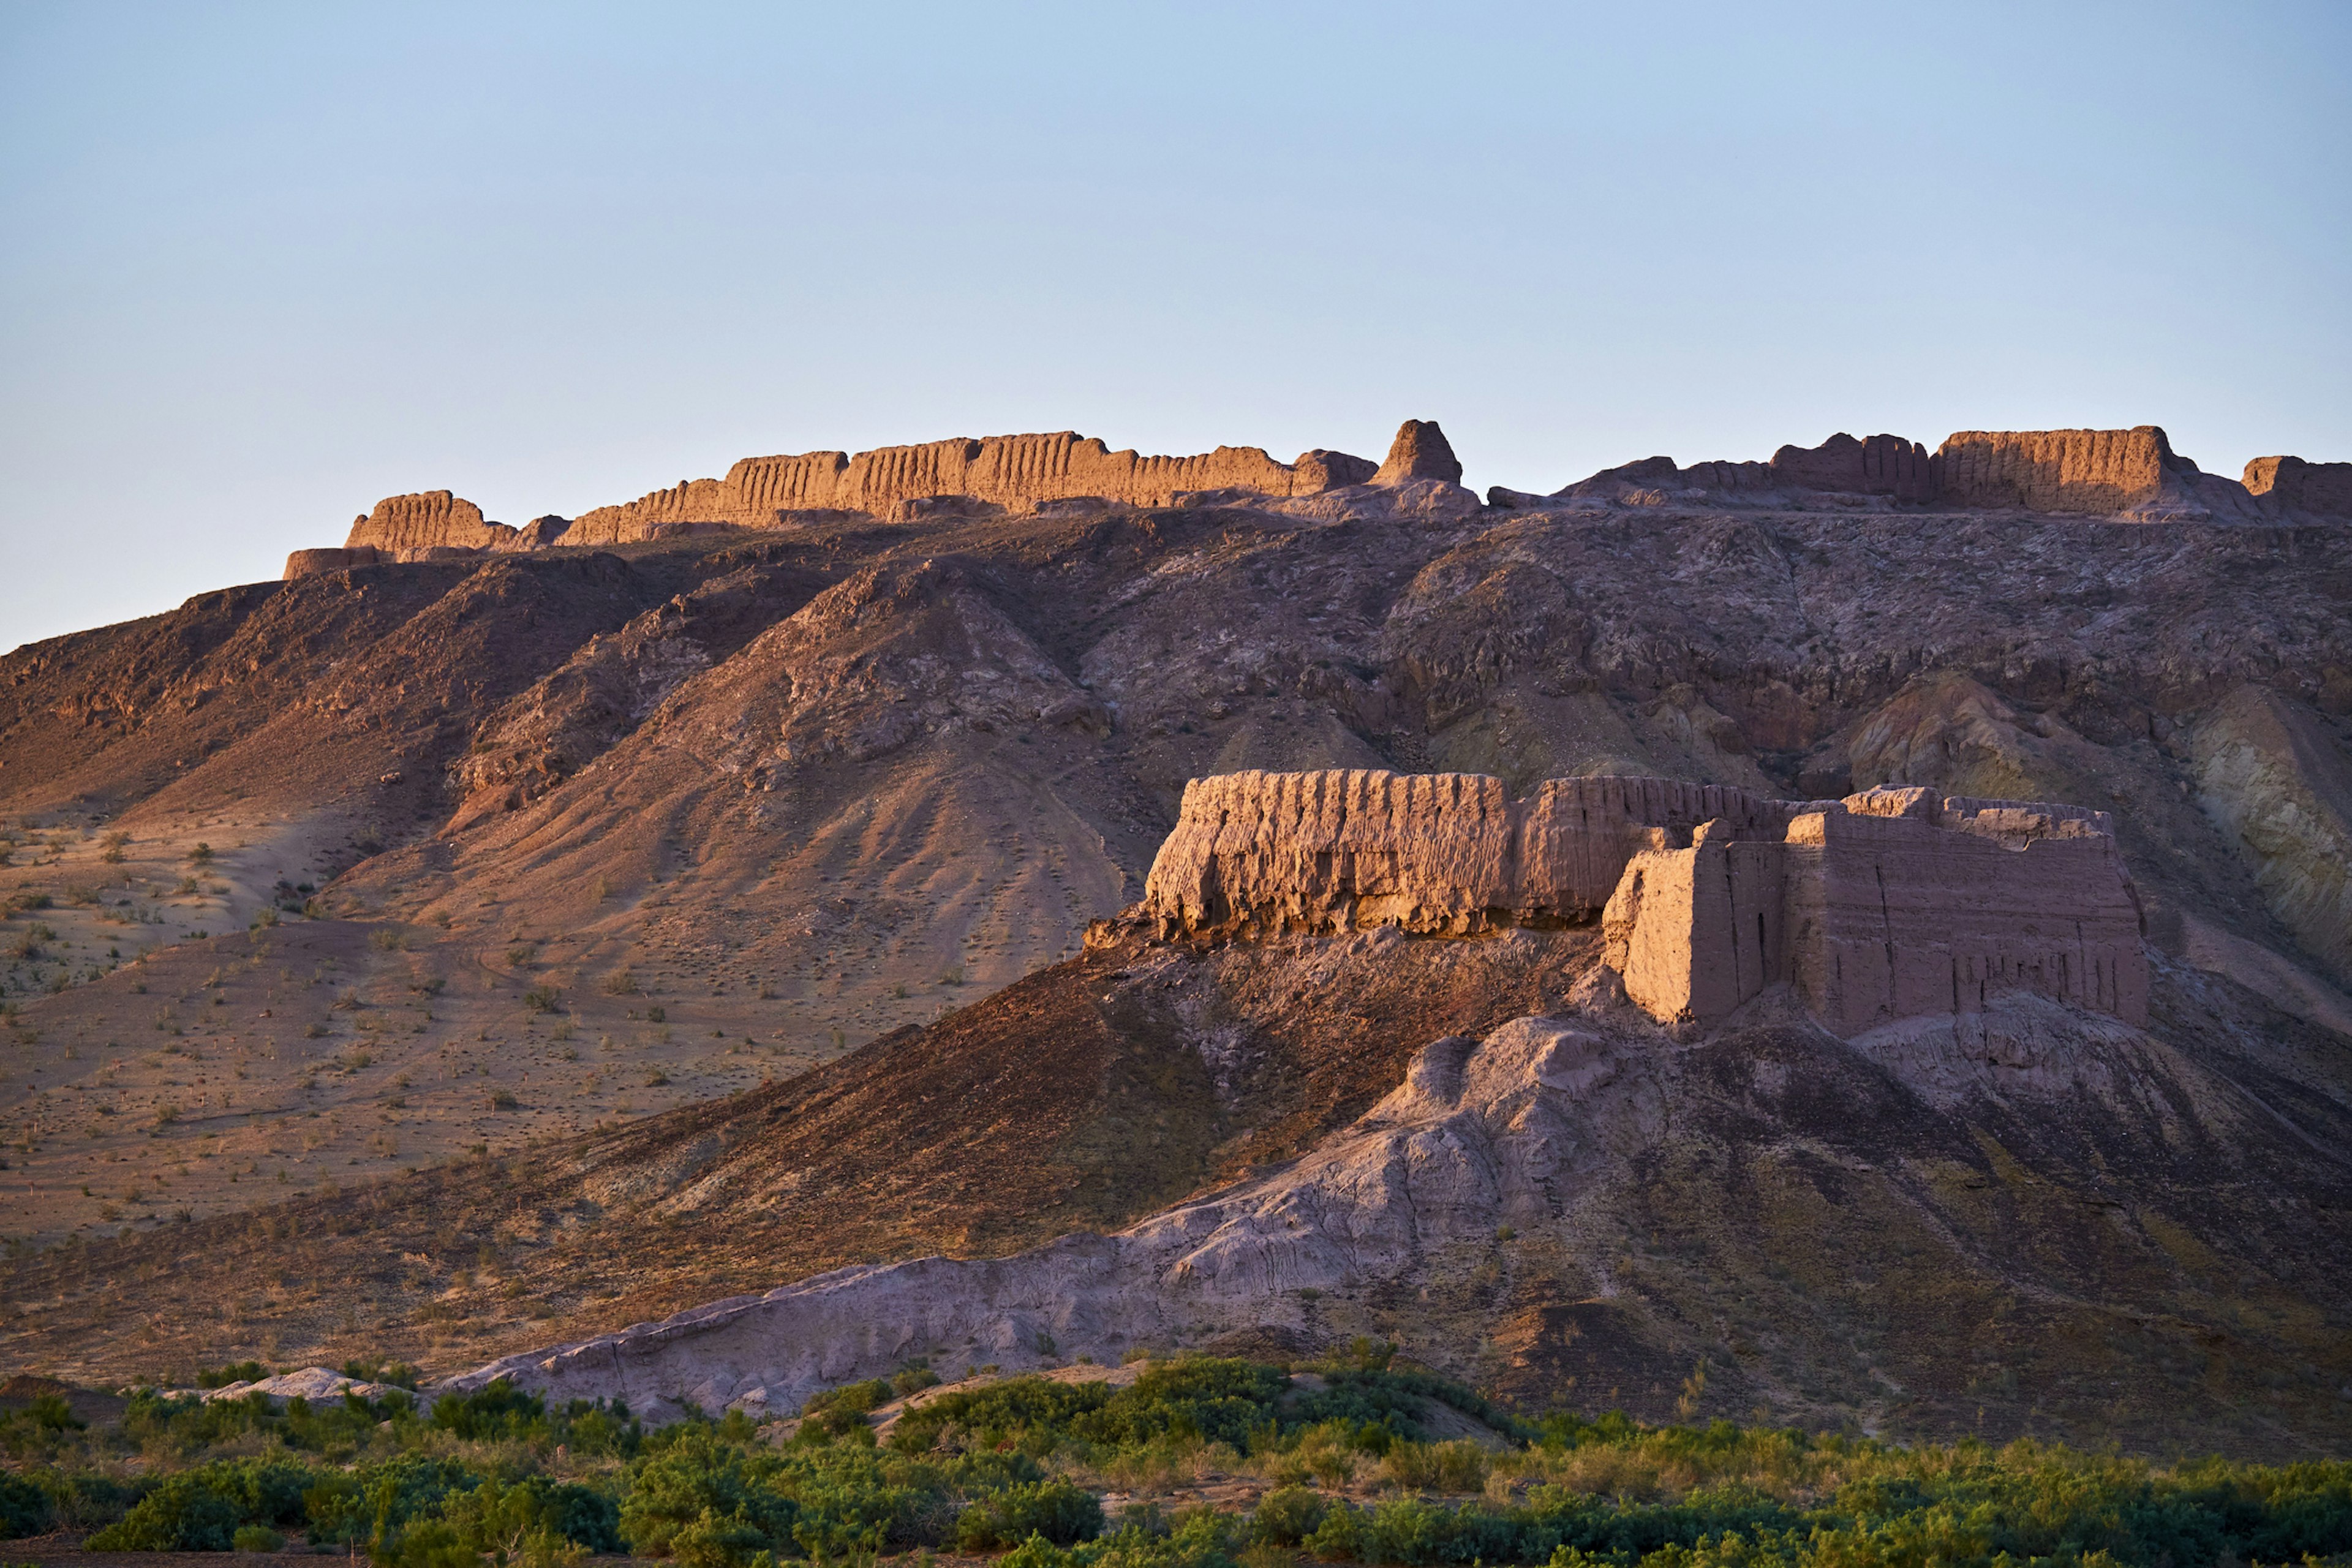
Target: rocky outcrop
x,y
2325,489
1882,905
2279,787
1420,452
426,520
1014,472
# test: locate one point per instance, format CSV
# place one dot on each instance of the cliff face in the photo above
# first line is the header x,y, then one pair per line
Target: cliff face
x,y
1884,905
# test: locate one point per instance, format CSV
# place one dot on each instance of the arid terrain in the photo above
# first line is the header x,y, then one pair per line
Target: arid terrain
x,y
584,933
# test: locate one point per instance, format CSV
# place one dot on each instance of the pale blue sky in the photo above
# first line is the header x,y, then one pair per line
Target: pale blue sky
x,y
263,264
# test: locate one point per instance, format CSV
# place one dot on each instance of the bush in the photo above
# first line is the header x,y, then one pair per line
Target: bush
x,y
536,1520
235,1372
181,1514
541,998
257,1538
50,1412
498,1411
375,1502
1457,1466
25,1508
1287,1516
1062,1513
398,1374
707,1502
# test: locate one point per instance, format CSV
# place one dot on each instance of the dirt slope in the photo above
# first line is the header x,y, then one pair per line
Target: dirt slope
x,y
2087,1231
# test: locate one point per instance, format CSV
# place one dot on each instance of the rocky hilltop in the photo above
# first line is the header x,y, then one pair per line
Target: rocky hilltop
x,y
2132,473
700,913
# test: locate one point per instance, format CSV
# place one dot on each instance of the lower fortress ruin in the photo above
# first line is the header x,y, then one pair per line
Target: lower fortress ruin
x,y
1884,905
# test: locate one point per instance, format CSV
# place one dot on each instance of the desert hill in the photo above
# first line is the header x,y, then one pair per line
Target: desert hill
x,y
559,834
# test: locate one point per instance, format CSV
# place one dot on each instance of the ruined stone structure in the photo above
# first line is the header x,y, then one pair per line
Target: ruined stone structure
x,y
1876,465
1883,906
2322,487
2096,471
1885,465
1879,906
1013,472
432,520
311,562
1420,451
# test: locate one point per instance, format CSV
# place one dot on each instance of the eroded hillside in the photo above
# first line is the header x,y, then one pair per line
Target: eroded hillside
x,y
556,836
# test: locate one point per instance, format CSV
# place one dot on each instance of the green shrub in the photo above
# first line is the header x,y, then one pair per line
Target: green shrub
x,y
398,1374
373,1503
50,1412
914,1380
1287,1516
25,1508
706,1501
235,1372
257,1538
1060,1512
499,1410
181,1514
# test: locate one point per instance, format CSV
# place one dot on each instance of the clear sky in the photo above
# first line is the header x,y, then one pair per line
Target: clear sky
x,y
260,265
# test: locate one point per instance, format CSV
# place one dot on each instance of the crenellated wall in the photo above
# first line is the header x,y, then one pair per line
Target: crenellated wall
x,y
1343,850
2096,471
430,520
1882,905
1012,471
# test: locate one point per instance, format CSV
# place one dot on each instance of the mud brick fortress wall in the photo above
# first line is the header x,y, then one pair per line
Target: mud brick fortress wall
x,y
1884,905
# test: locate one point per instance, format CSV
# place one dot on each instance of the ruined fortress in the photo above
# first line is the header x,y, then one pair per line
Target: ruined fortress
x,y
1884,905
2130,473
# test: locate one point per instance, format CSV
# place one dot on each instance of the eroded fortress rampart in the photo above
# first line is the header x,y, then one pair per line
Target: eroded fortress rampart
x,y
1887,904
2132,473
